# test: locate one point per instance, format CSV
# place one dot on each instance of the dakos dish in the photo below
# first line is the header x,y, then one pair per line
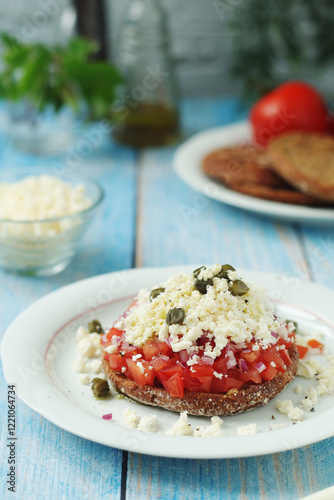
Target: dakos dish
x,y
207,343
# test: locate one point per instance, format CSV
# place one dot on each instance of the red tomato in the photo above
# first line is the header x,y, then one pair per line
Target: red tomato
x,y
197,384
141,373
114,331
314,344
154,348
302,351
253,375
271,356
191,383
269,373
175,386
285,357
250,357
293,106
225,384
172,380
220,365
201,370
117,362
287,342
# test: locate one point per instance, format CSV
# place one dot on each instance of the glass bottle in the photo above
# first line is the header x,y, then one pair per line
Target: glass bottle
x,y
145,113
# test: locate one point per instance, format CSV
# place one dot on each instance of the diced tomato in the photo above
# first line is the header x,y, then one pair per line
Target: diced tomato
x,y
201,370
302,351
159,363
286,342
218,385
172,380
116,362
250,357
191,383
199,377
130,351
252,375
315,344
269,373
169,371
225,384
175,386
152,349
220,365
141,372
176,357
205,383
285,357
232,383
114,331
271,356
106,356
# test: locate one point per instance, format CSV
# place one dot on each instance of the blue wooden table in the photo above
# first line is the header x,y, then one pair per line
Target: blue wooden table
x,y
142,225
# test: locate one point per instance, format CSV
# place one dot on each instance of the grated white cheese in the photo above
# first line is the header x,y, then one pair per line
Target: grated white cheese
x,y
181,427
84,379
148,423
224,316
213,430
299,389
276,426
131,418
325,385
40,198
111,349
245,430
310,400
294,413
90,353
306,370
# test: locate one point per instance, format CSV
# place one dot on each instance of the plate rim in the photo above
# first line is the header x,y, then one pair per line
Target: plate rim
x,y
185,168
252,445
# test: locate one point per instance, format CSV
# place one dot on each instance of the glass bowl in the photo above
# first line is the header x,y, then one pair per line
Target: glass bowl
x,y
46,247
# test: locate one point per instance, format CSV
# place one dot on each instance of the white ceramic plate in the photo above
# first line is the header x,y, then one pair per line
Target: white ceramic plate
x,y
187,163
41,367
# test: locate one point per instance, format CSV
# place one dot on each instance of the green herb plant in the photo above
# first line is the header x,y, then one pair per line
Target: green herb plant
x,y
58,76
276,40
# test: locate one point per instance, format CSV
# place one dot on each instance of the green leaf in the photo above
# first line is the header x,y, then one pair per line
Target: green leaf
x,y
57,76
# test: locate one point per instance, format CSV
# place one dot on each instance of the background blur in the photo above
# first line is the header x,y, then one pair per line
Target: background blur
x,y
220,47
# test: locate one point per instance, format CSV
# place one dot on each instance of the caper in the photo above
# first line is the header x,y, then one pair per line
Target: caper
x,y
223,272
155,292
201,285
197,271
94,326
175,315
100,387
238,287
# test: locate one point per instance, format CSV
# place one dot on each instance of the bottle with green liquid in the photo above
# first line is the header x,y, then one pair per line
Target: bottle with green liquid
x,y
145,113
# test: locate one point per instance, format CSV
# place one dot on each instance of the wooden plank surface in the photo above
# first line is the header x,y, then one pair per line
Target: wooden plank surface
x,y
152,219
52,462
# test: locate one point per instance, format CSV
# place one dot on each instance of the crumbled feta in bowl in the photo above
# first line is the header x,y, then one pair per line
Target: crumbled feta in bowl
x,y
42,220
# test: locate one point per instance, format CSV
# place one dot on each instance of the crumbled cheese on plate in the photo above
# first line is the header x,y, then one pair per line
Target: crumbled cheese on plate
x,y
88,362
245,430
182,427
213,430
294,413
